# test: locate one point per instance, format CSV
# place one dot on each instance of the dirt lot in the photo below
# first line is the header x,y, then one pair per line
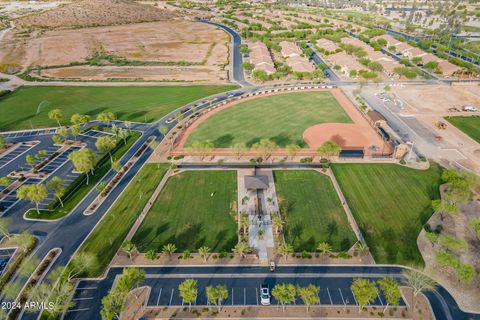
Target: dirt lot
x,y
429,104
169,42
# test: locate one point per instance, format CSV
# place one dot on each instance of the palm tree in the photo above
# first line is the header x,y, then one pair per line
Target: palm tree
x,y
151,255
285,249
244,222
324,247
361,247
277,222
203,252
169,249
419,282
129,248
241,248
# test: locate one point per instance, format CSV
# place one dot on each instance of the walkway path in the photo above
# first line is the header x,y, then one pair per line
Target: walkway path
x,y
351,219
149,205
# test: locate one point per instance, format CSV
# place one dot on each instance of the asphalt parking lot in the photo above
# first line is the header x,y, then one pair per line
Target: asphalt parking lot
x,y
29,133
11,198
14,154
243,291
59,160
95,134
5,255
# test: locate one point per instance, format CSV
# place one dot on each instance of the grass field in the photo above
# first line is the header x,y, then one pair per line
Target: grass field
x,y
29,106
314,211
390,204
108,235
193,210
282,118
469,125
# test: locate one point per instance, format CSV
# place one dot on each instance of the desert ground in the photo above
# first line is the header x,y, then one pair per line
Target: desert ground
x,y
430,105
201,47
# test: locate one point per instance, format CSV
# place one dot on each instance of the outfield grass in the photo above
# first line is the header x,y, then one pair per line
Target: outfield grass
x,y
470,125
390,203
78,189
282,118
193,210
108,235
314,211
29,106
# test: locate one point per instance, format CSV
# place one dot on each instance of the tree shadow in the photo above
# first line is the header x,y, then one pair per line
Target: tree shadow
x,y
251,142
96,111
223,141
281,139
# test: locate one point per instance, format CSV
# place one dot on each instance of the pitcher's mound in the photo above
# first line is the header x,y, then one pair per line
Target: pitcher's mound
x,y
346,135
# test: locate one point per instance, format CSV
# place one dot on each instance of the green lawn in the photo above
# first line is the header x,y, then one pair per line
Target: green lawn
x,y
469,125
282,118
108,235
29,106
193,210
313,209
390,204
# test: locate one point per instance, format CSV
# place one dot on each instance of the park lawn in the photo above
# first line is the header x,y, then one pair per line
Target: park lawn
x,y
314,211
110,232
282,118
28,106
78,189
390,203
470,125
195,209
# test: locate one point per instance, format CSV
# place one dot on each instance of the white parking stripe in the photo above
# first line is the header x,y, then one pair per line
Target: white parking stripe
x,y
329,296
232,296
341,296
77,310
256,294
88,298
354,297
378,295
171,297
159,295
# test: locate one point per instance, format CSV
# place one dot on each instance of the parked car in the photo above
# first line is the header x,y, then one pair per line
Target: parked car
x,y
265,295
470,108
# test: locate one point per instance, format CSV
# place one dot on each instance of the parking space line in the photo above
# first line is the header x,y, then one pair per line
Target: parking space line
x,y
158,299
87,298
232,296
182,302
354,297
77,310
329,296
244,296
319,302
341,295
256,294
378,295
171,297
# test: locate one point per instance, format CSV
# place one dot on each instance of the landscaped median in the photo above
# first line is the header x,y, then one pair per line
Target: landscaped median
x,y
78,189
108,235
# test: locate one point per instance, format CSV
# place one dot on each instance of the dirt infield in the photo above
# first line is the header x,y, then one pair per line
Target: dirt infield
x,y
356,135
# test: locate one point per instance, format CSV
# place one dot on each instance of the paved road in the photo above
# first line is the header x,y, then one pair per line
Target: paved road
x,y
238,75
243,283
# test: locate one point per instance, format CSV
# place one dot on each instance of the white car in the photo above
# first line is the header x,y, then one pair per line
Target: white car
x,y
264,295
